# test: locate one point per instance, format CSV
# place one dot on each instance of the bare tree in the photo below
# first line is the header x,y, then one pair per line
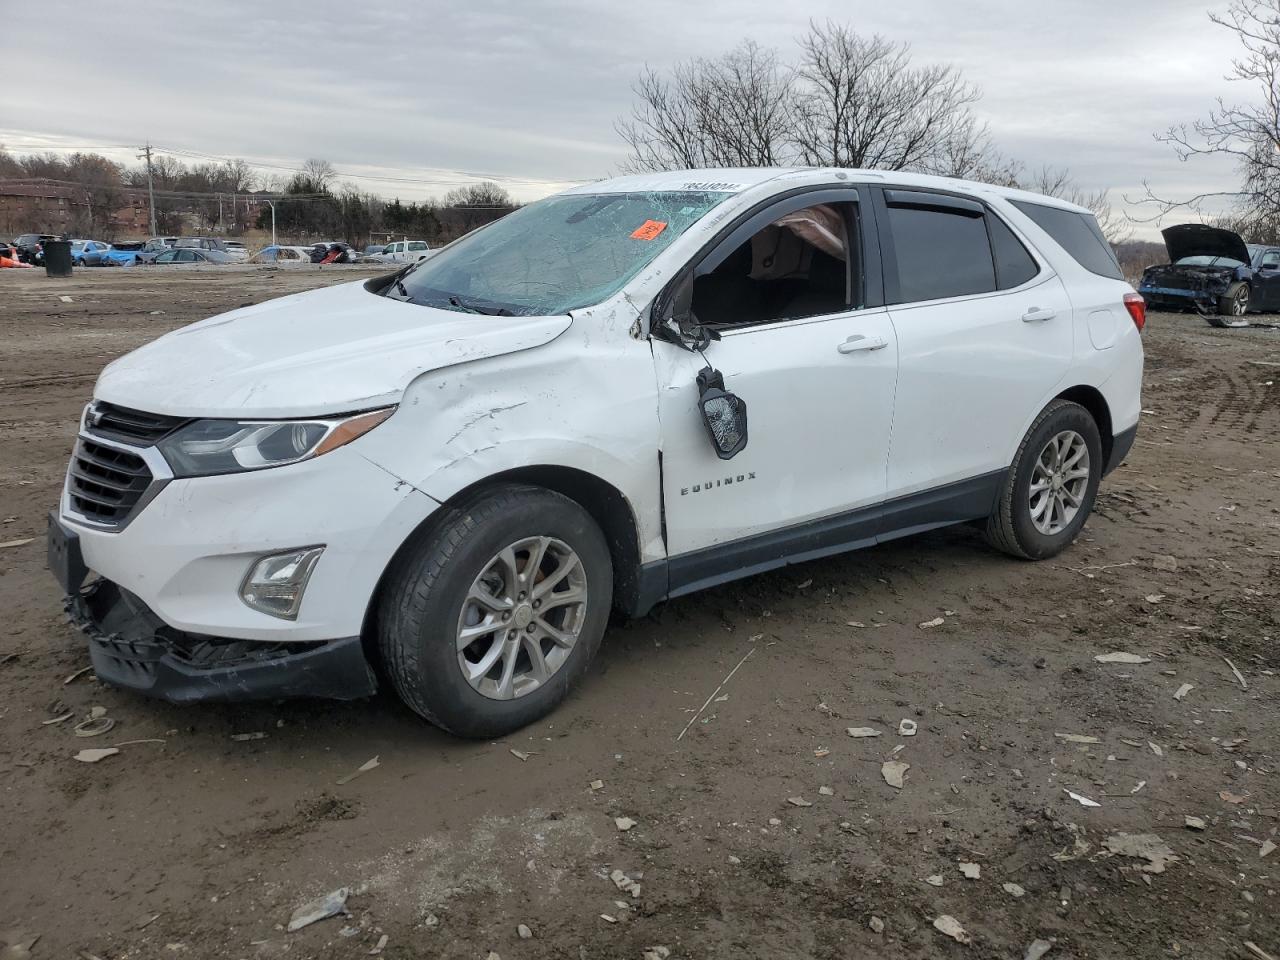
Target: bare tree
x,y
861,102
728,111
486,194
1249,132
319,173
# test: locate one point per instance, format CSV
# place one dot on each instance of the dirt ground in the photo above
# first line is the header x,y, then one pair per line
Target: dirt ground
x,y
194,844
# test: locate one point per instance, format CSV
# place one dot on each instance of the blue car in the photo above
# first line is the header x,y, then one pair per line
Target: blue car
x,y
88,253
123,254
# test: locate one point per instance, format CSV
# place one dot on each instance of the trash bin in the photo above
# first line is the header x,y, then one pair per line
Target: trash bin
x,y
57,258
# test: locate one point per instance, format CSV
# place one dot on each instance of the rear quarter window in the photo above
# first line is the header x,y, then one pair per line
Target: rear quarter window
x,y
1078,234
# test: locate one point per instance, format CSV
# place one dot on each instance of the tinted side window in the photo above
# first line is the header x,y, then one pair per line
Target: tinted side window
x,y
940,253
1078,234
1014,265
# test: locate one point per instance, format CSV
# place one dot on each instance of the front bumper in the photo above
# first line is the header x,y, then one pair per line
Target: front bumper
x,y
1178,298
132,648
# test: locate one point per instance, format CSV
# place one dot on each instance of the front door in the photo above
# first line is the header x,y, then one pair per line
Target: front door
x,y
817,372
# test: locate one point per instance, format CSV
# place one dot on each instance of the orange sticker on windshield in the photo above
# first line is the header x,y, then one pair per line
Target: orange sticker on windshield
x,y
648,230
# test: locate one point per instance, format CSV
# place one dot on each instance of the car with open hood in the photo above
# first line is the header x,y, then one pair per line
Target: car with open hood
x,y
1213,271
445,479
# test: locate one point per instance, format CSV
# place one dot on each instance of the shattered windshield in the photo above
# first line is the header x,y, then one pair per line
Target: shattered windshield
x,y
1204,260
555,255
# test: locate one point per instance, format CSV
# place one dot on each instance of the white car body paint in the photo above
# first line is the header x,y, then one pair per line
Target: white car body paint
x,y
947,397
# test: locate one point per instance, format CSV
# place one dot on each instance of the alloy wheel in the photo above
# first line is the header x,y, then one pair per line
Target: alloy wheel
x,y
1059,481
522,617
1240,303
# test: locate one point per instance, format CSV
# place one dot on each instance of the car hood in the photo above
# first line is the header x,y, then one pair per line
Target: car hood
x,y
1202,240
331,350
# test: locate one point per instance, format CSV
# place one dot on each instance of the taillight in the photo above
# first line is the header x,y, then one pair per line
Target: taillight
x,y
1137,308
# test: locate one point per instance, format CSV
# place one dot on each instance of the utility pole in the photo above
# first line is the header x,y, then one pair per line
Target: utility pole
x,y
272,204
151,190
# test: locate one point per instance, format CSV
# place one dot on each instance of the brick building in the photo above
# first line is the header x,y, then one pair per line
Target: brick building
x,y
46,206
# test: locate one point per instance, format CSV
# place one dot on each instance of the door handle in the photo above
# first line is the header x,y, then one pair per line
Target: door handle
x,y
858,343
1036,315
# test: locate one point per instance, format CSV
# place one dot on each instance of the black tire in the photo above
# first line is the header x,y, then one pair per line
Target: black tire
x,y
1235,303
1010,527
424,593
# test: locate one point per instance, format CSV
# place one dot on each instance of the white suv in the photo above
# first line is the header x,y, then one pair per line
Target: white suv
x,y
617,395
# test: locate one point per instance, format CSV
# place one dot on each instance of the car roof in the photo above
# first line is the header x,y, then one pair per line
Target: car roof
x,y
742,179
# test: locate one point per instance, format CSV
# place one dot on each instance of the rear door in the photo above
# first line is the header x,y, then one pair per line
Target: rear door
x,y
984,331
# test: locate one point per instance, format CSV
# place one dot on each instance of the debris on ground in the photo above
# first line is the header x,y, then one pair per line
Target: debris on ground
x,y
96,724
893,772
16,945
799,802
907,728
950,926
826,792
596,784
1120,657
523,932
876,925
95,754
17,543
1183,690
330,905
624,823
656,953
1155,748
77,675
245,737
379,946
1013,889
1082,800
935,880
1076,738
1143,846
1037,949
1244,685
624,883
1226,796
1266,848
521,755
935,622
971,870
859,732
363,768
1165,563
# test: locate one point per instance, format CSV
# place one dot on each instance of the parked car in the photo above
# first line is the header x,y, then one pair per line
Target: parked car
x,y
373,249
122,253
30,247
236,248
460,469
284,255
190,255
321,250
1216,273
154,247
88,253
405,251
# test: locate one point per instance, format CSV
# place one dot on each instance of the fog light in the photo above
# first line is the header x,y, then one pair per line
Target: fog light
x,y
274,584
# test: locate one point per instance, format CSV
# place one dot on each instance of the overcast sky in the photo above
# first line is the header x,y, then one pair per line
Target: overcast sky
x,y
529,89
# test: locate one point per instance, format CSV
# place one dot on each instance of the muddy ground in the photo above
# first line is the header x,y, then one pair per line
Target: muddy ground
x,y
202,845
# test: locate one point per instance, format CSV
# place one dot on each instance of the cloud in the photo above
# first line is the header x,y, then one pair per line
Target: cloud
x,y
531,90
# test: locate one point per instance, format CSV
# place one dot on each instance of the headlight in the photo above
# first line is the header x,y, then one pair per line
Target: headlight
x,y
206,447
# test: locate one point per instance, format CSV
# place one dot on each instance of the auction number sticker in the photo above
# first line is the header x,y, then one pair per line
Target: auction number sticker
x,y
648,230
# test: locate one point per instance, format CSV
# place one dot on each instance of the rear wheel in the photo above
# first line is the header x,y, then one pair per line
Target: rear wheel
x,y
1050,488
491,617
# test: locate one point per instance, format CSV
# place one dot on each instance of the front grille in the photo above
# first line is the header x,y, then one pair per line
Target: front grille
x,y
130,426
104,483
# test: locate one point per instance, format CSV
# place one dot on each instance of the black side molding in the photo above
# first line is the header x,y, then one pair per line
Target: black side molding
x,y
943,506
1121,444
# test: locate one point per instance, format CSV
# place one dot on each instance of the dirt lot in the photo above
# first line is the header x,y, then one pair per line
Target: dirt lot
x,y
201,845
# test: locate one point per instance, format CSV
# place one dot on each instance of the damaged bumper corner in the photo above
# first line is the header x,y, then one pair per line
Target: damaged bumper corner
x,y
130,647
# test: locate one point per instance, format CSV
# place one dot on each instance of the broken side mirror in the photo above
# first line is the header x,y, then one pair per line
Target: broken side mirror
x,y
724,414
678,320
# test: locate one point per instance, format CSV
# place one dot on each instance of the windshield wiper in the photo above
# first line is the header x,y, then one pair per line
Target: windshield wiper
x,y
457,301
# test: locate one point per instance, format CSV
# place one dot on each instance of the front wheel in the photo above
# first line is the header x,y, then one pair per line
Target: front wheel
x,y
491,616
1233,307
1049,490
